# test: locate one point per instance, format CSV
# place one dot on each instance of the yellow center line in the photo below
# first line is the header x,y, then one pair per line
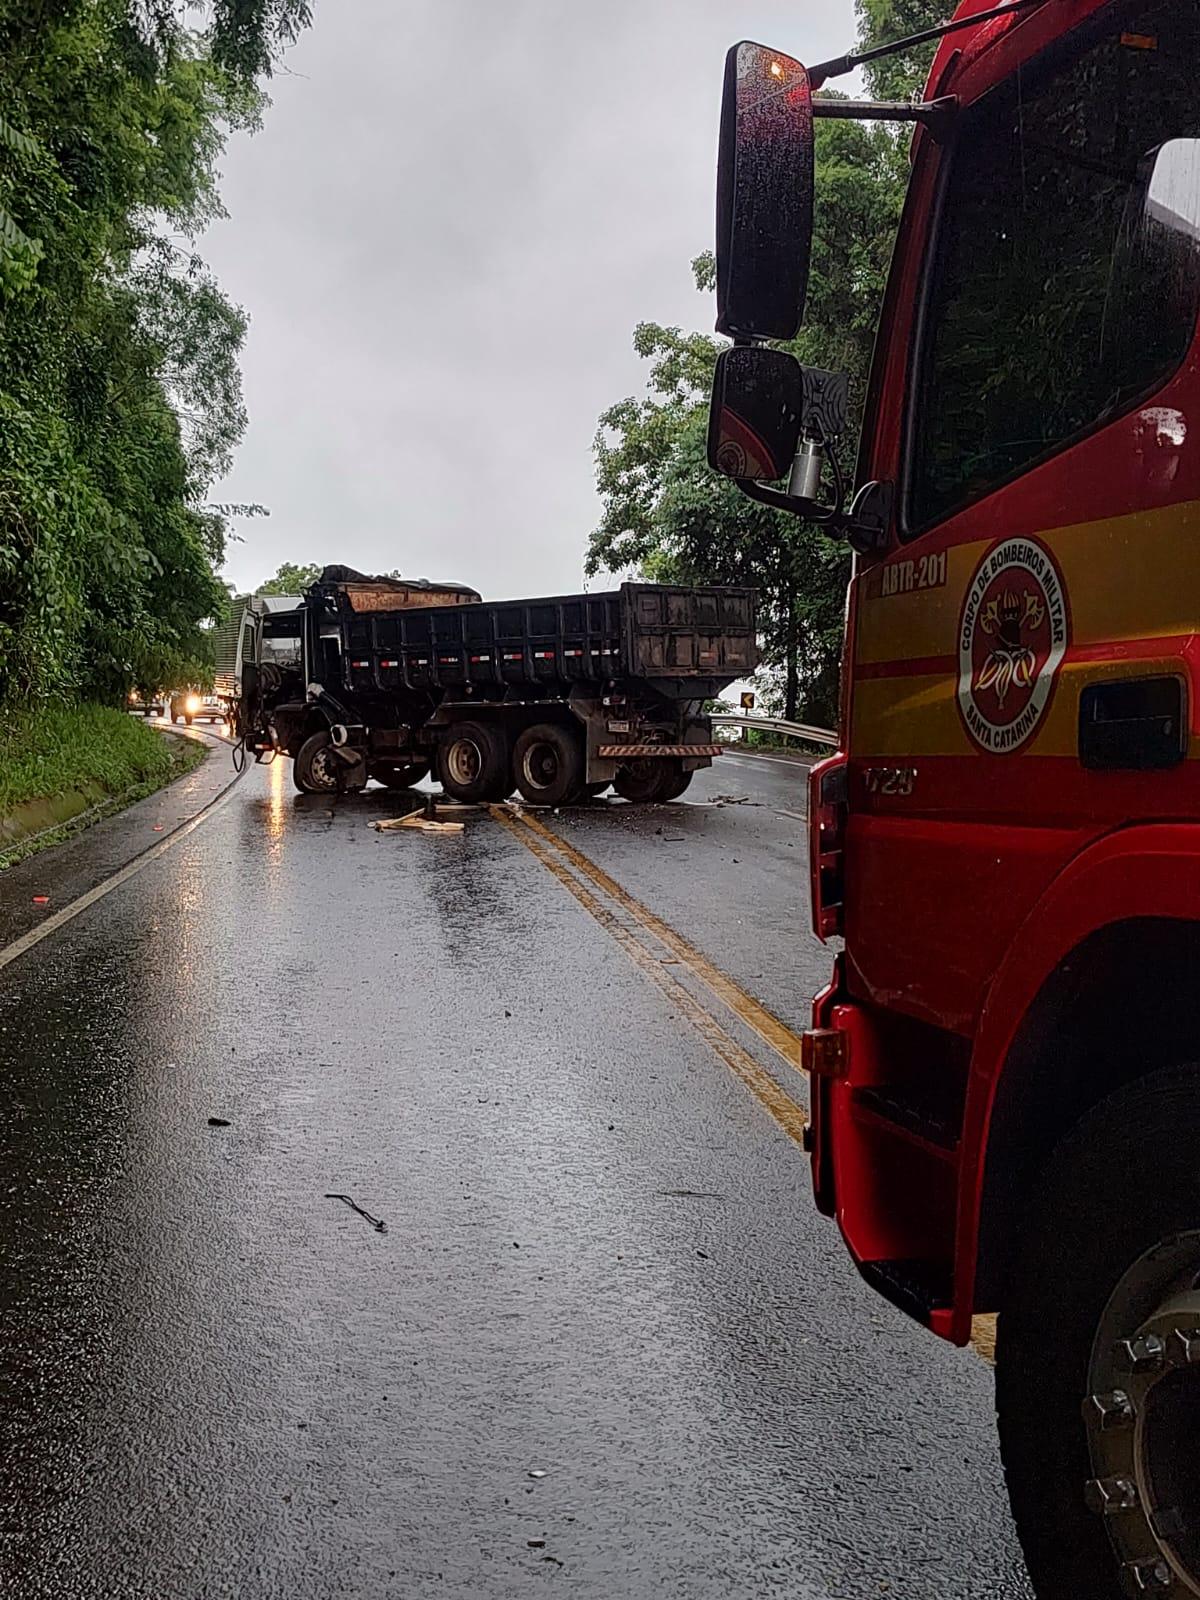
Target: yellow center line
x,y
545,844
752,1012
758,1080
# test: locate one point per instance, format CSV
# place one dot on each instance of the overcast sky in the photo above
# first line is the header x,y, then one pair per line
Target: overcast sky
x,y
455,215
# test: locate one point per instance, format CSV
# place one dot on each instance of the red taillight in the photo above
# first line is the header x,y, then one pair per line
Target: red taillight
x,y
826,839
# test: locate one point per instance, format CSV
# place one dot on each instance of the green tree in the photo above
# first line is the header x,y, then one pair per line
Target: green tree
x,y
290,579
120,397
665,513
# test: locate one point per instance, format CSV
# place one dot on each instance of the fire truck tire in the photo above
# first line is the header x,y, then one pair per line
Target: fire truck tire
x,y
548,764
643,782
473,763
1111,1256
314,770
400,774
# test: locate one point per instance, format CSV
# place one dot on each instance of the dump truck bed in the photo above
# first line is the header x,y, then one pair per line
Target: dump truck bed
x,y
688,641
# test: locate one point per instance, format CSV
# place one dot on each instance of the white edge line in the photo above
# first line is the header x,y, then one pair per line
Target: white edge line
x,y
59,919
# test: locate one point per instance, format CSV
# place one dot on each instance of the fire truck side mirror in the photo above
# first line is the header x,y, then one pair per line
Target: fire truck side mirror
x,y
764,194
754,420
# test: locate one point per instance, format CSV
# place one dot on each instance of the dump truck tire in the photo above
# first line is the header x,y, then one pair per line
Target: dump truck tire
x,y
472,763
548,764
677,785
399,774
646,781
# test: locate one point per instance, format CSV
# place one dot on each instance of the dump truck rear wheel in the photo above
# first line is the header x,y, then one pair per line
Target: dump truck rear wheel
x,y
645,781
400,774
548,764
677,785
315,769
472,763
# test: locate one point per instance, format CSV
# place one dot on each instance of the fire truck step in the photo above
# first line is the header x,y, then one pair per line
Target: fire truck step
x,y
918,1287
930,1121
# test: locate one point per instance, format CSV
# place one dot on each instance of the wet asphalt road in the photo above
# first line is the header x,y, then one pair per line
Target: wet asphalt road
x,y
600,1263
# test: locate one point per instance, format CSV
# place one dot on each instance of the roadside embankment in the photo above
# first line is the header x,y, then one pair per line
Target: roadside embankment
x,y
62,766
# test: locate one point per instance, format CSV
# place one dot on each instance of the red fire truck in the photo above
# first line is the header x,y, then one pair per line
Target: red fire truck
x,y
1006,1062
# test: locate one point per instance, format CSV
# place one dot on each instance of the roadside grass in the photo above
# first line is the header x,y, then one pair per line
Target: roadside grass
x,y
51,749
105,753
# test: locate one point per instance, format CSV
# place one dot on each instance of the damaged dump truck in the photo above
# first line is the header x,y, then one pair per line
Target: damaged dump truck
x,y
557,698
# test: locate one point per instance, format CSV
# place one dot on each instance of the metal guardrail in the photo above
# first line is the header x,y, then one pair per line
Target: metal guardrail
x,y
788,730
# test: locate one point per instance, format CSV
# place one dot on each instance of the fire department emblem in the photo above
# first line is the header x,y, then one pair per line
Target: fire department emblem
x,y
1011,640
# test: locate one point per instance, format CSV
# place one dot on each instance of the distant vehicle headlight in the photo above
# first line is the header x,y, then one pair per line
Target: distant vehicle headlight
x,y
192,704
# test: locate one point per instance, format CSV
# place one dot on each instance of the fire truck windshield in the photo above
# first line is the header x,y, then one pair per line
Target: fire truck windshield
x,y
1067,263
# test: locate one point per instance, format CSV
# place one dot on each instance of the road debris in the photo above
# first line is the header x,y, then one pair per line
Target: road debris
x,y
538,1472
380,1227
433,817
218,1122
419,821
731,800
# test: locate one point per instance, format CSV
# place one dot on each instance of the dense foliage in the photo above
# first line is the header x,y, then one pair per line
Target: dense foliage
x,y
120,398
291,579
665,513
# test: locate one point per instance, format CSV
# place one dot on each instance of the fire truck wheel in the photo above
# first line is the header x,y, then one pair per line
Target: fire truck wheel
x,y
472,763
548,765
643,782
399,774
1098,1354
315,769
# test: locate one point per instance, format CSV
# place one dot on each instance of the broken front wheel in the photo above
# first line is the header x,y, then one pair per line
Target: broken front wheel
x,y
317,769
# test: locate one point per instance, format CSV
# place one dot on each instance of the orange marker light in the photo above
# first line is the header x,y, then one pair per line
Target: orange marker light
x,y
777,69
825,1052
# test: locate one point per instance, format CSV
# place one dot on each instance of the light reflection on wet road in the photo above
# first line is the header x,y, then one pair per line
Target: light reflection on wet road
x,y
601,1261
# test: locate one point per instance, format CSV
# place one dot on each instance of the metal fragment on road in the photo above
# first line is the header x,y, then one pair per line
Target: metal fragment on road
x,y
380,1227
538,1472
